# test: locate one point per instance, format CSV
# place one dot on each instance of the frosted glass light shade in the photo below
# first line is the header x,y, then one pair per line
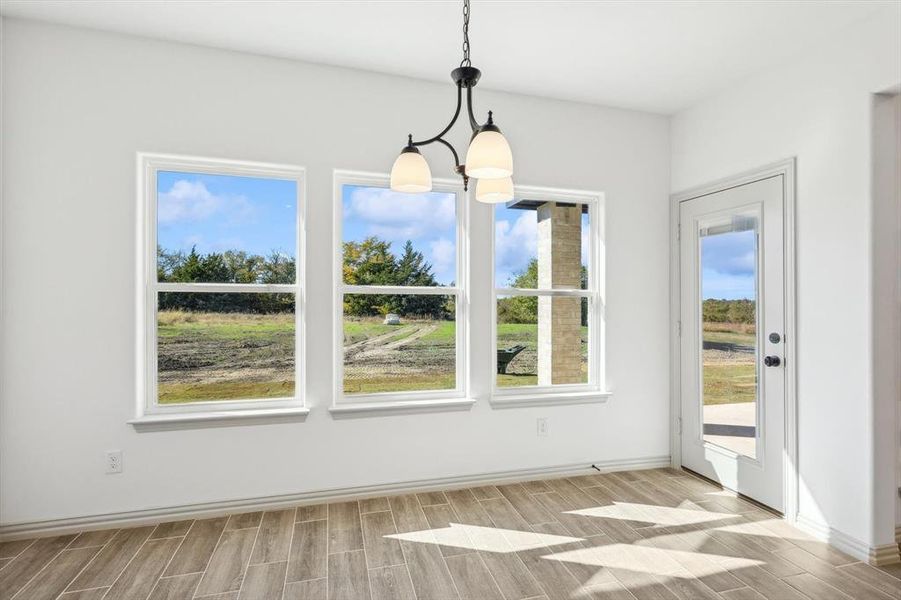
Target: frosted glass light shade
x,y
489,156
411,173
494,191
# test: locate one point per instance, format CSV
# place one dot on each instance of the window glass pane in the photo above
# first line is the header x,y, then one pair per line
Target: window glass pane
x,y
224,346
540,244
392,238
542,340
225,228
399,343
728,290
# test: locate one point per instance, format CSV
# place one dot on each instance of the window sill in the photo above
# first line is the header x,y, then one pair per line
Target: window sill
x,y
194,420
372,409
549,399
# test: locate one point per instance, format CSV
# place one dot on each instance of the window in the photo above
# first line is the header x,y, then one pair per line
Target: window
x,y
400,321
548,255
221,323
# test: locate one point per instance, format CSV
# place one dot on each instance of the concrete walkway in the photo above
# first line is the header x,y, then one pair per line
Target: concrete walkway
x,y
732,426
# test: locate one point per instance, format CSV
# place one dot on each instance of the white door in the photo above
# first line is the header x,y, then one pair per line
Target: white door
x,y
732,338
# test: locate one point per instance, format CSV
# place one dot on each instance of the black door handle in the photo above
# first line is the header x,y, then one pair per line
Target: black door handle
x,y
772,361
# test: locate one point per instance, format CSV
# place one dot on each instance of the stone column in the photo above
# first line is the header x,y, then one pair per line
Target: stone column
x,y
559,319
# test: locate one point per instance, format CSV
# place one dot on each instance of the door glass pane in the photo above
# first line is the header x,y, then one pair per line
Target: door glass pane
x,y
729,308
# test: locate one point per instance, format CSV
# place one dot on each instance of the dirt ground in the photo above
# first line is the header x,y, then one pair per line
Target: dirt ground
x,y
206,356
412,356
229,356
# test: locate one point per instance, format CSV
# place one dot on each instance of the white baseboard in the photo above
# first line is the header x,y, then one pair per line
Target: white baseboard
x,y
12,531
875,555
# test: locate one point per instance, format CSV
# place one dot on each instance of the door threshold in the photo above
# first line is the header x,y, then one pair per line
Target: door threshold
x,y
739,494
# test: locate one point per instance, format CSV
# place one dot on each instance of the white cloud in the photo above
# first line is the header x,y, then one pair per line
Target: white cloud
x,y
515,244
397,233
443,256
716,284
397,216
731,253
192,201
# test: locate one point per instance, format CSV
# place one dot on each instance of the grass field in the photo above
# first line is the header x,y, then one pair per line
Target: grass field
x,y
235,356
730,366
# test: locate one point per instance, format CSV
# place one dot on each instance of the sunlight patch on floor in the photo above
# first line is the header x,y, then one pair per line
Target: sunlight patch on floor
x,y
654,561
486,539
773,528
600,585
648,513
722,493
781,528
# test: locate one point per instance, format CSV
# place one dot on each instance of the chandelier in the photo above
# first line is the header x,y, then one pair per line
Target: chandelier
x,y
488,157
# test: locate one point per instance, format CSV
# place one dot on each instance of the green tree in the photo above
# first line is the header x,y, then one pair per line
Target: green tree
x,y
729,311
242,267
278,268
369,262
166,262
521,309
412,269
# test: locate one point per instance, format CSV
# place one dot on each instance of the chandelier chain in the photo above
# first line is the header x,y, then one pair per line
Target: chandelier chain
x,y
465,62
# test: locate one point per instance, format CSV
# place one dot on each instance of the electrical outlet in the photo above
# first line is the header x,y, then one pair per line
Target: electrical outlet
x,y
114,461
542,426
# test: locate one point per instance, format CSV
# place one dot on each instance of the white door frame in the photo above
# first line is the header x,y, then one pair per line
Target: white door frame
x,y
786,168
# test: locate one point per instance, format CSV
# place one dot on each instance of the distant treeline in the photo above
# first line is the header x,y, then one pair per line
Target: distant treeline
x,y
231,266
729,311
369,262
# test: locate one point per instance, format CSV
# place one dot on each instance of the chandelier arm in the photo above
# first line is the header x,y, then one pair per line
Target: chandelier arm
x,y
472,119
449,125
451,148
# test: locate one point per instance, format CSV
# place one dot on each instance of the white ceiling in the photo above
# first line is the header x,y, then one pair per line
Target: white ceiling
x,y
651,55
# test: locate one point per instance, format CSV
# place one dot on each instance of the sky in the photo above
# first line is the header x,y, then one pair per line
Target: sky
x,y
224,212
728,264
215,213
516,242
428,220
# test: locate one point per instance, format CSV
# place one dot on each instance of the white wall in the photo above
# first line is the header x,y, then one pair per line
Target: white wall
x,y
78,104
817,108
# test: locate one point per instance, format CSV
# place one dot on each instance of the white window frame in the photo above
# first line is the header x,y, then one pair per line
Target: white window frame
x,y
595,389
425,399
148,410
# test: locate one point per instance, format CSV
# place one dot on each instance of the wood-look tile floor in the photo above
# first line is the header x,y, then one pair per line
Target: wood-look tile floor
x,y
653,534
